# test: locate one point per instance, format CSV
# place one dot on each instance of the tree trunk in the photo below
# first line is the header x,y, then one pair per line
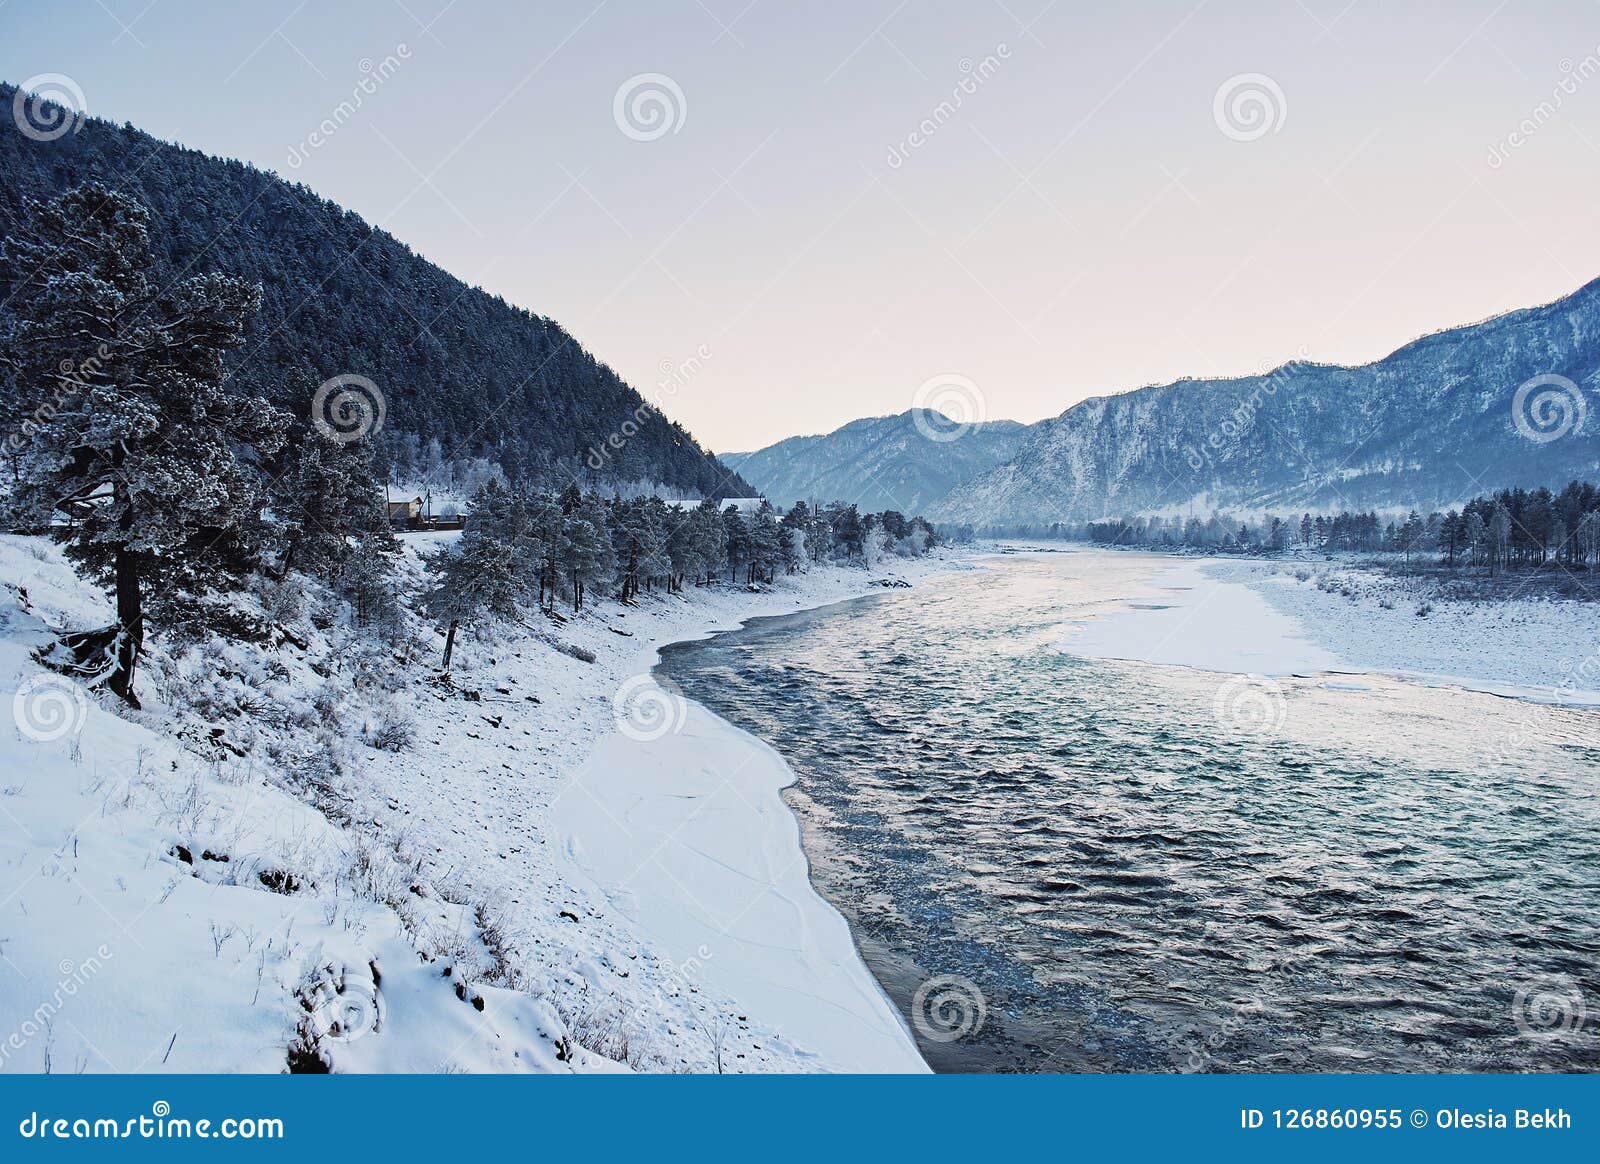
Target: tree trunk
x,y
130,624
450,644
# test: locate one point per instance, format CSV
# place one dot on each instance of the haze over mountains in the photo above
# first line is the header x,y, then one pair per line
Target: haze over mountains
x,y
1441,419
881,462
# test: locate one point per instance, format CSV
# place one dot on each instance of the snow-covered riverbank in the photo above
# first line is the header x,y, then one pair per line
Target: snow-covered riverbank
x,y
438,907
1275,618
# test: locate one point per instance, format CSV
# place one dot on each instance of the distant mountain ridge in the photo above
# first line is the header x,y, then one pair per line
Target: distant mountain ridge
x,y
1506,402
879,462
455,364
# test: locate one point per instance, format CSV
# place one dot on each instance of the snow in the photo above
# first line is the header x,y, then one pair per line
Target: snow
x,y
451,906
1201,622
688,836
136,927
1251,616
642,955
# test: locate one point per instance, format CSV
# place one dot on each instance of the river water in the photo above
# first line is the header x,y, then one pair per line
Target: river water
x,y
1060,864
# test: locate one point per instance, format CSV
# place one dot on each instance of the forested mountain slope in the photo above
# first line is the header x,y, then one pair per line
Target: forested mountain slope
x,y
881,462
1507,402
454,363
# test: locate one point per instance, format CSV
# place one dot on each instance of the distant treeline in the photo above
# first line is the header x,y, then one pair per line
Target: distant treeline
x,y
1512,527
524,549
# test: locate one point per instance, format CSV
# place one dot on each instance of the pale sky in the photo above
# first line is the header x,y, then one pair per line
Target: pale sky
x,y
1083,223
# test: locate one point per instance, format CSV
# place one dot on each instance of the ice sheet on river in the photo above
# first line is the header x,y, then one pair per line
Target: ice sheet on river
x,y
1197,621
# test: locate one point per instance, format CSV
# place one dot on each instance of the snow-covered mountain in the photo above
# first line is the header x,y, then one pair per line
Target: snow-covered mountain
x,y
1509,401
902,462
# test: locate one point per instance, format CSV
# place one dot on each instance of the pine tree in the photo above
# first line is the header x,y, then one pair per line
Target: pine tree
x,y
1499,537
1588,538
736,541
486,574
848,531
145,465
795,528
586,545
326,500
1473,534
764,555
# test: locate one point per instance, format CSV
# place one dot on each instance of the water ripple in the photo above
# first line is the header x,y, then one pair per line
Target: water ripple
x,y
1134,888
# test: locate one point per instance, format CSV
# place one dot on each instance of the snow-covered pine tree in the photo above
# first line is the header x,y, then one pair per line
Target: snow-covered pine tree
x,y
327,500
636,544
657,519
367,581
136,454
735,541
848,531
711,539
486,574
586,545
764,554
1499,537
1473,535
794,532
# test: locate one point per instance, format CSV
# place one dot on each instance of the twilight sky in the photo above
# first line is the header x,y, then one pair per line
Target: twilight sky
x,y
1094,210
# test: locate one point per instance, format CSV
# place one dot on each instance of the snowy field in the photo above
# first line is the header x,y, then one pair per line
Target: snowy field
x,y
1250,616
198,886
